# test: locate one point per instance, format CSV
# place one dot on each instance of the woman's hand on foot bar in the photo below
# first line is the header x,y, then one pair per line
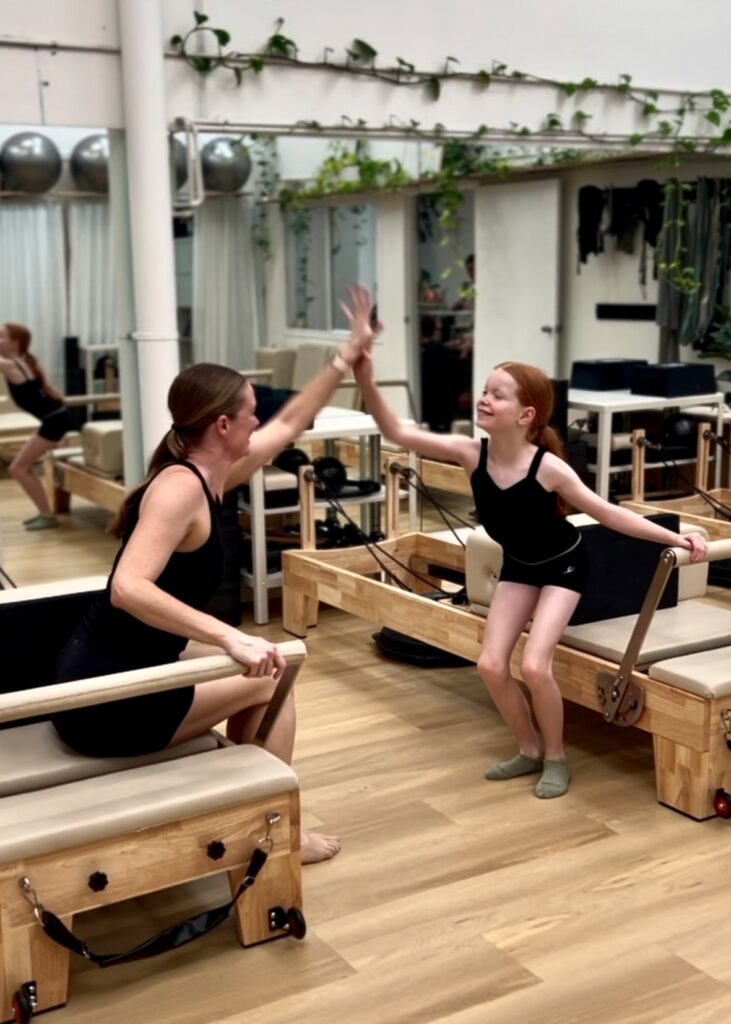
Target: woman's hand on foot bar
x,y
260,656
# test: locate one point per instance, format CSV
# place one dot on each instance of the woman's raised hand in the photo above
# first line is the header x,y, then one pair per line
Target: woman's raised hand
x,y
255,653
358,315
363,369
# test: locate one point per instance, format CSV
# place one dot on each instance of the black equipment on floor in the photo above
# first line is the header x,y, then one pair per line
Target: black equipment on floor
x,y
226,602
401,647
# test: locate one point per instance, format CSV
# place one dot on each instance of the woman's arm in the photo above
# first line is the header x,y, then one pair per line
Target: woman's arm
x,y
452,447
299,412
555,474
171,508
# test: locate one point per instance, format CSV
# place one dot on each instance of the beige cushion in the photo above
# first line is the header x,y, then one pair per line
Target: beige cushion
x,y
92,809
34,757
707,673
280,361
17,423
42,591
311,358
102,444
692,625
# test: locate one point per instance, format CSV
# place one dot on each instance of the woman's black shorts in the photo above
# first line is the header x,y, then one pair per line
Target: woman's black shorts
x,y
569,571
55,425
122,728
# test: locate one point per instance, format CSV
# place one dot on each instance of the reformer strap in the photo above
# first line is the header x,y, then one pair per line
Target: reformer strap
x,y
171,938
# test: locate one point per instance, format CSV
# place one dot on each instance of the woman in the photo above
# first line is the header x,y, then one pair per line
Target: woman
x,y
170,565
31,392
522,488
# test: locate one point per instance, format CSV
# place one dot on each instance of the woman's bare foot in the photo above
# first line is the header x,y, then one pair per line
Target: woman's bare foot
x,y
316,847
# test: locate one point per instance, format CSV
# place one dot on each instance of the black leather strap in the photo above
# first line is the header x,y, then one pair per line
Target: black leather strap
x,y
171,938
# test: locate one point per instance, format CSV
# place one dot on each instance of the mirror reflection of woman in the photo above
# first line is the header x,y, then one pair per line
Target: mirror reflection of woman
x,y
32,392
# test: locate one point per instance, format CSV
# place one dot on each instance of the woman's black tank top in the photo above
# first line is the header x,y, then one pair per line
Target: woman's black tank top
x,y
193,577
523,518
32,397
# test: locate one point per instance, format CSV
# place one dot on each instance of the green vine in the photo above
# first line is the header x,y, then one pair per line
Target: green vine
x,y
347,171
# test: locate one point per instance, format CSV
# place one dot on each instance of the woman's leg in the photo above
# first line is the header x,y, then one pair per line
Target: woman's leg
x,y
510,609
22,469
554,609
243,702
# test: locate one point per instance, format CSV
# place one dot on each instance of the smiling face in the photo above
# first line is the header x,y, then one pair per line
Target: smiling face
x,y
499,407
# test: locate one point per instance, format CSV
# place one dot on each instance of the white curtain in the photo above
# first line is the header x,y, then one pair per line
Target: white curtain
x,y
91,273
33,277
225,315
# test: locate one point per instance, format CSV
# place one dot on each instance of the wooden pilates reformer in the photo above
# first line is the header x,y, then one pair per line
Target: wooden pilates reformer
x,y
692,508
78,833
691,729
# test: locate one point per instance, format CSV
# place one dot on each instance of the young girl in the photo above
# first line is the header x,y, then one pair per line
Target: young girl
x,y
522,488
31,392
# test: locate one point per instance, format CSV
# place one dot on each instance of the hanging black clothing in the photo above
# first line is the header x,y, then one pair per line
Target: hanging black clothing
x,y
589,233
32,397
111,640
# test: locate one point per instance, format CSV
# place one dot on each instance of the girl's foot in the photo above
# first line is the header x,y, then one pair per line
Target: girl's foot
x,y
554,781
316,847
521,764
41,522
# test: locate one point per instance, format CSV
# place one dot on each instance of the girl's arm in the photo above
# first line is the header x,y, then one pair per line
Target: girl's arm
x,y
556,475
451,447
299,412
170,508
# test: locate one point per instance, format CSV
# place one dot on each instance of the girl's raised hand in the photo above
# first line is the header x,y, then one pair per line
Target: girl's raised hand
x,y
358,315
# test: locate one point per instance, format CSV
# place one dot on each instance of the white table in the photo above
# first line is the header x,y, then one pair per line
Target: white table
x,y
331,423
606,403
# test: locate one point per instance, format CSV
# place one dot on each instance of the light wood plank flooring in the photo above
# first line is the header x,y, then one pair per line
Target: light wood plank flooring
x,y
454,900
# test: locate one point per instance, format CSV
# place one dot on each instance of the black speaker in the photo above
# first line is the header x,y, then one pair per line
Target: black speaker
x,y
604,374
671,380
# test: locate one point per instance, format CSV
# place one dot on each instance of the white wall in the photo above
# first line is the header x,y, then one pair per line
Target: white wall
x,y
653,41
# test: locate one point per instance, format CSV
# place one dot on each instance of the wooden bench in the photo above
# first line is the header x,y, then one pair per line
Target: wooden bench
x,y
692,760
89,832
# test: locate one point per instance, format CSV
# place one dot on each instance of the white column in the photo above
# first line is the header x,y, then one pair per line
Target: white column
x,y
134,463
153,263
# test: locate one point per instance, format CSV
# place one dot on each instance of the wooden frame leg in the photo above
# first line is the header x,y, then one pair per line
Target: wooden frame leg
x,y
26,954
684,778
59,499
299,611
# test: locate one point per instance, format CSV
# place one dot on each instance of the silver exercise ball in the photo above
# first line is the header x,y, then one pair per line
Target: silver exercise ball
x,y
29,162
178,164
89,164
226,165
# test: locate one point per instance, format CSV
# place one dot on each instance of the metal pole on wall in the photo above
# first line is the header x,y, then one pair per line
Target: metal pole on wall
x,y
148,174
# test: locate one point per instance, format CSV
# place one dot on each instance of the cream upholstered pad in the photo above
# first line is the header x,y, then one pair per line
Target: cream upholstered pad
x,y
16,423
64,817
34,757
706,673
101,442
690,626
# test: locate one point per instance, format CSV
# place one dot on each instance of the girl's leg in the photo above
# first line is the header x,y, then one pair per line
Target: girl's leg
x,y
553,611
243,701
22,469
511,608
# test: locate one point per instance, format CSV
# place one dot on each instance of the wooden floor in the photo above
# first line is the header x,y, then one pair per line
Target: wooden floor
x,y
454,899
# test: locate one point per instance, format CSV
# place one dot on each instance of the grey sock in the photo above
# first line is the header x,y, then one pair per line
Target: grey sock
x,y
554,781
521,764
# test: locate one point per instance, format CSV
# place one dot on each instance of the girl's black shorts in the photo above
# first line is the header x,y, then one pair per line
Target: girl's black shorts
x,y
569,571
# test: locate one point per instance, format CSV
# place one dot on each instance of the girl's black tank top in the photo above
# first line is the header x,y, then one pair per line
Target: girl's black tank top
x,y
193,577
523,518
31,396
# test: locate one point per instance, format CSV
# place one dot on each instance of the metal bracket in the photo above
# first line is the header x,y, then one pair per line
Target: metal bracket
x,y
621,700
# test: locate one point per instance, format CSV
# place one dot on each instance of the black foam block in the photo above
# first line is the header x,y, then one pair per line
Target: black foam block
x,y
620,571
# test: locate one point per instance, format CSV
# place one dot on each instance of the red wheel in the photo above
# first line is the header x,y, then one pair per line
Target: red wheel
x,y
22,1008
296,924
722,803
